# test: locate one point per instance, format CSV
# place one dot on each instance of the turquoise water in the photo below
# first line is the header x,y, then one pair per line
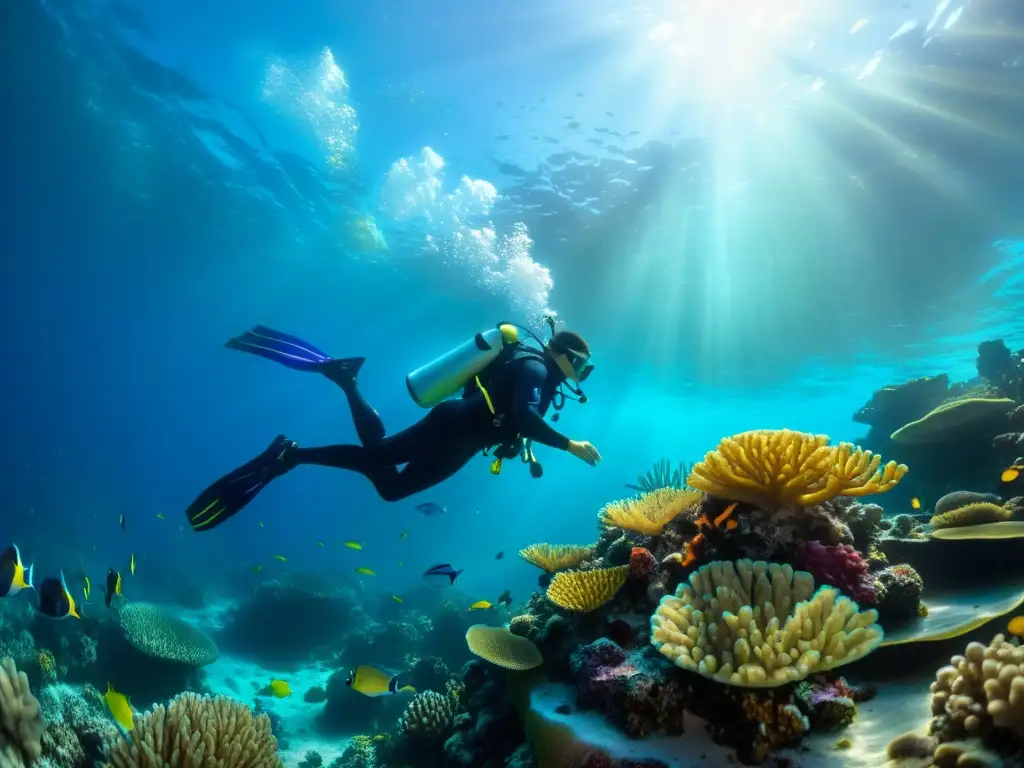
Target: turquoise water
x,y
756,214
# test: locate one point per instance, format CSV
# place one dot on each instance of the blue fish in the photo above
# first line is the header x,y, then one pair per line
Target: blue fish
x,y
441,575
430,509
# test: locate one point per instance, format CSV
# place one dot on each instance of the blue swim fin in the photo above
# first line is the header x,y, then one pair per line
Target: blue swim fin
x,y
279,347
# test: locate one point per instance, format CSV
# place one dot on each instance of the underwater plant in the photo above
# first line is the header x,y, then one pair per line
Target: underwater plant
x,y
661,475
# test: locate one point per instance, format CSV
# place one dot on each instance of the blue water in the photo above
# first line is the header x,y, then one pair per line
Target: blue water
x,y
745,246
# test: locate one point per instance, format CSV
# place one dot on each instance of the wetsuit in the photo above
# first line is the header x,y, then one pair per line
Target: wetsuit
x,y
444,441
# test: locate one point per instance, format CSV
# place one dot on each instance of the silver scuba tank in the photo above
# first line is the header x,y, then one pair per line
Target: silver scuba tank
x,y
448,374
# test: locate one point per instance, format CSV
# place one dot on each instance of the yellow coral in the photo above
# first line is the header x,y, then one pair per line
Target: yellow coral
x,y
554,557
771,467
585,591
972,514
760,625
650,512
47,664
500,647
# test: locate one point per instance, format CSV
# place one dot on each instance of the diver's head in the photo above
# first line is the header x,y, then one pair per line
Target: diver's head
x,y
571,354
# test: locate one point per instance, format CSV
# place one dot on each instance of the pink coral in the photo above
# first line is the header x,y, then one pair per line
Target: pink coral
x,y
641,563
840,566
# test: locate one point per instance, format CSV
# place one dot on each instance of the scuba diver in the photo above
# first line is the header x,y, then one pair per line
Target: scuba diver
x,y
507,388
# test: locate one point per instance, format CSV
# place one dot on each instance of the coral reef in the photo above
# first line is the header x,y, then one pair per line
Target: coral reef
x,y
554,557
972,514
898,590
160,635
829,704
430,715
958,499
585,591
770,468
78,725
661,475
642,564
503,648
21,723
649,513
951,417
755,624
839,566
195,729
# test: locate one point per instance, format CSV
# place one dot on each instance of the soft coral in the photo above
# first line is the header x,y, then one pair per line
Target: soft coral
x,y
840,566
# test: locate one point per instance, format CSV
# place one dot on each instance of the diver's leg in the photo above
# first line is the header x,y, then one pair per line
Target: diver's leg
x,y
369,425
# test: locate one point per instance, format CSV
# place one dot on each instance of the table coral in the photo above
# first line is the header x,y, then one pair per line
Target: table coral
x,y
758,624
585,591
554,557
770,468
499,646
650,512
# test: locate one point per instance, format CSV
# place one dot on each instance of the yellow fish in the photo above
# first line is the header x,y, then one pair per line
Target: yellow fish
x,y
1011,473
480,605
353,544
374,682
320,544
160,516
119,706
257,569
365,572
282,558
915,503
131,564
279,689
397,599
1016,626
402,535
88,587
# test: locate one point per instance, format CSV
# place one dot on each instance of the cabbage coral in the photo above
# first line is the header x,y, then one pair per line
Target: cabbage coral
x,y
759,625
770,468
650,512
585,591
554,557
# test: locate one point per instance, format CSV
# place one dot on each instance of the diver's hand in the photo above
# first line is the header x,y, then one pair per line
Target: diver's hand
x,y
584,451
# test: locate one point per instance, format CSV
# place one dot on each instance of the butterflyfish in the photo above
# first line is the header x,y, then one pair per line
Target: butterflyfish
x,y
1011,473
55,600
279,689
480,605
915,503
113,586
14,577
1015,626
373,682
119,706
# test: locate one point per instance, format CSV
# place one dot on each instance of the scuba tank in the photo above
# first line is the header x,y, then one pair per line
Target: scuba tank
x,y
448,374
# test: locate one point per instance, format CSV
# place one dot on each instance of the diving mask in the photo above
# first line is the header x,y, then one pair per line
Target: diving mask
x,y
578,363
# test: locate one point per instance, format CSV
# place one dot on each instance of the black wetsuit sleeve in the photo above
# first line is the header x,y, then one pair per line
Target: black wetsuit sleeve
x,y
526,406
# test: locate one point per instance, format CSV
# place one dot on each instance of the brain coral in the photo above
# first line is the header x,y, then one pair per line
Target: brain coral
x,y
758,624
163,636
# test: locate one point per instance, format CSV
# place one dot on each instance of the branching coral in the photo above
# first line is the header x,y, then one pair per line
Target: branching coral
x,y
554,557
163,636
770,468
198,731
430,715
840,566
650,512
979,691
585,591
499,646
21,725
972,514
755,624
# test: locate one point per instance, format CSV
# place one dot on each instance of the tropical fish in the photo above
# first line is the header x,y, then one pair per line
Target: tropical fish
x,y
257,568
353,544
430,509
131,564
113,586
505,598
1015,626
724,521
282,558
279,689
1011,473
915,503
119,706
55,600
442,575
365,572
160,516
122,521
407,689
14,577
87,588
320,544
373,682
480,605
397,599
403,535
500,556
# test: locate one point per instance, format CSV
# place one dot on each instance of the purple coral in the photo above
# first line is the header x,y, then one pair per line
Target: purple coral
x,y
637,693
840,566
